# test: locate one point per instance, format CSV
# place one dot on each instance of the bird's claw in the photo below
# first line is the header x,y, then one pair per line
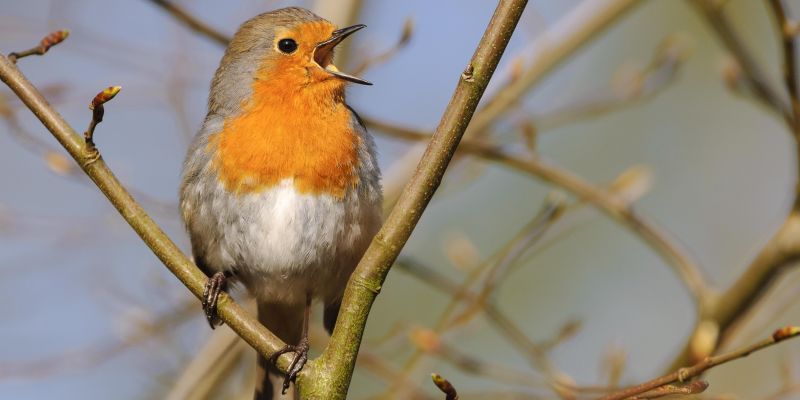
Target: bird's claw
x,y
214,286
301,356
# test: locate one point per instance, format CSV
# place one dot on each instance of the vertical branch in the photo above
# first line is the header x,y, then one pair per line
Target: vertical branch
x,y
366,281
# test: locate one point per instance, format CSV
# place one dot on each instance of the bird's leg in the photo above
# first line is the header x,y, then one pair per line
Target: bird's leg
x,y
300,350
214,286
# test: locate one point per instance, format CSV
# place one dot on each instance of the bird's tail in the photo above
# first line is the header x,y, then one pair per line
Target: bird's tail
x,y
286,322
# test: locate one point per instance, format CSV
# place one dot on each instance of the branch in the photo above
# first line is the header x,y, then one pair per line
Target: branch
x,y
98,110
782,250
93,165
695,387
45,44
368,277
685,374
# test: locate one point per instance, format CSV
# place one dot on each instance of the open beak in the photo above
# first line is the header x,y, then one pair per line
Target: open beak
x,y
323,53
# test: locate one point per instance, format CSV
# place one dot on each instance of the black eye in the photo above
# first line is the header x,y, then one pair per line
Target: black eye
x,y
287,46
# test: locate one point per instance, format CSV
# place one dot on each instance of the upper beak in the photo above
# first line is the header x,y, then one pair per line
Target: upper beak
x,y
326,47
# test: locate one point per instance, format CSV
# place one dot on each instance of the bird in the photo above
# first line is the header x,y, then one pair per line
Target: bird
x,y
281,188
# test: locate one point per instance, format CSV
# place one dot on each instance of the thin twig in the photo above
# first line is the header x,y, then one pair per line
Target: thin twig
x,y
98,111
45,44
445,386
686,374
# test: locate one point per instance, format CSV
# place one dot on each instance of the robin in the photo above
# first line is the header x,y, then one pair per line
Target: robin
x,y
281,188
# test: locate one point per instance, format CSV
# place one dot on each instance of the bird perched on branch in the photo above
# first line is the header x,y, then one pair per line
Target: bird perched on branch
x,y
281,189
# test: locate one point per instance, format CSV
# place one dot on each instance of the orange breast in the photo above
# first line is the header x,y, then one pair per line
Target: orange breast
x,y
304,135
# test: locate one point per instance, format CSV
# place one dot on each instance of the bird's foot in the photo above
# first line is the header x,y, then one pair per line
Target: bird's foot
x,y
300,357
214,286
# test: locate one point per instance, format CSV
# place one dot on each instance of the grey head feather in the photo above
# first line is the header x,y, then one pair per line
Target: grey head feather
x,y
249,48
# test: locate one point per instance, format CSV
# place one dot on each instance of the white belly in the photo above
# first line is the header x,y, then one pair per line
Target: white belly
x,y
283,244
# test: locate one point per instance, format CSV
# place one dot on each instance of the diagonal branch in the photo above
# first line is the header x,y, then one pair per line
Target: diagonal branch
x,y
367,279
165,249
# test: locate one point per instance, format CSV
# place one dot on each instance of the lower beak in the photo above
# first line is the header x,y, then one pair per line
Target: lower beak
x,y
324,51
